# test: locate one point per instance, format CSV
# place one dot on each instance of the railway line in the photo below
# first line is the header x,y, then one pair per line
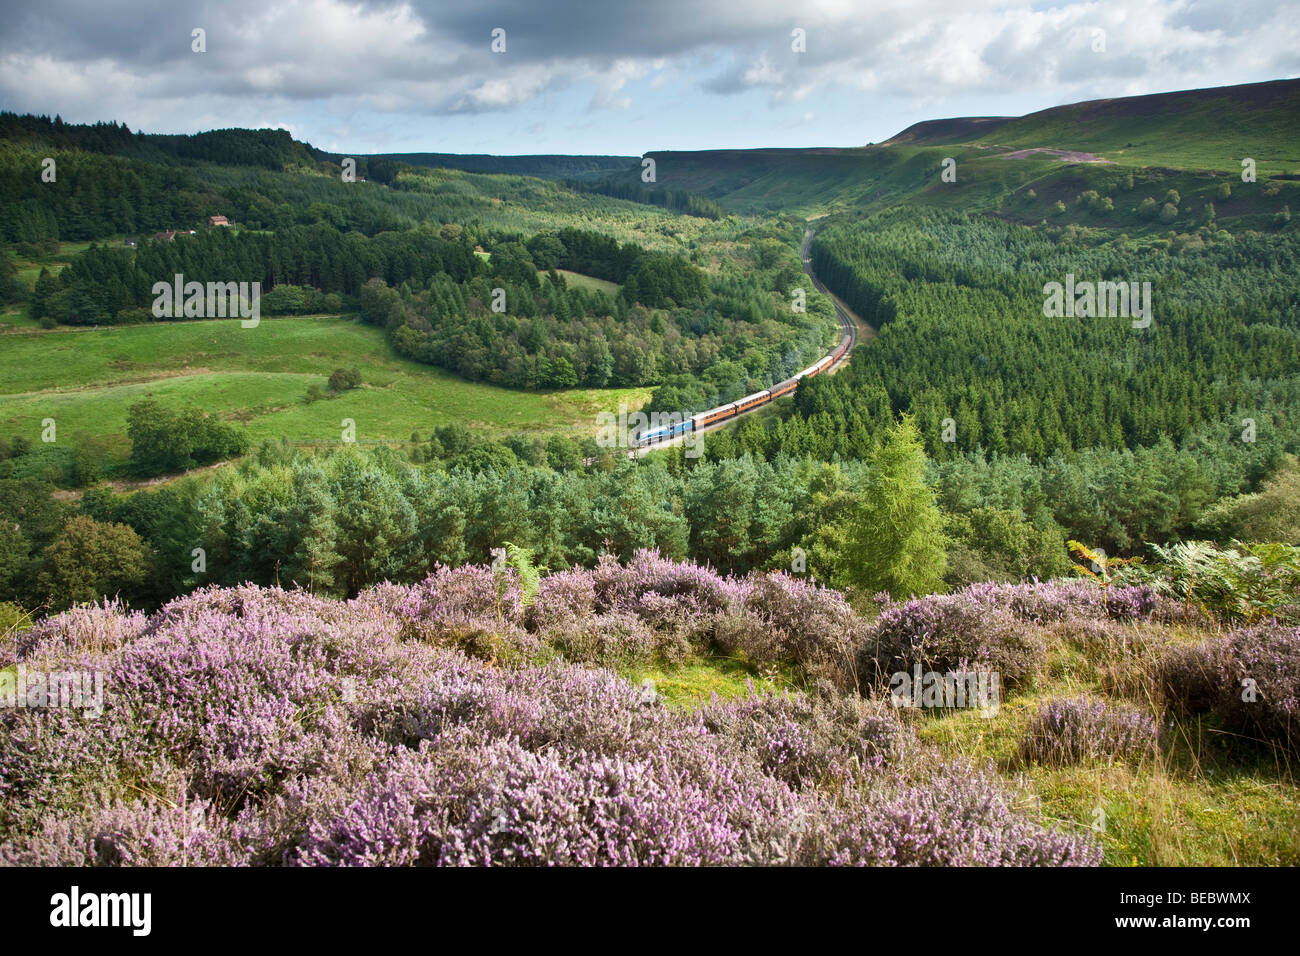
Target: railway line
x,y
675,433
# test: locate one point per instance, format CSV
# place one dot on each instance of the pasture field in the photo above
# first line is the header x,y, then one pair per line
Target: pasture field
x,y
86,380
576,280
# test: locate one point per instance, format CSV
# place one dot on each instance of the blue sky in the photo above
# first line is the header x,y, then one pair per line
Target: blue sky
x,y
616,77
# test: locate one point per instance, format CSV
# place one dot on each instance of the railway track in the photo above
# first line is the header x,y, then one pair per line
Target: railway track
x,y
846,321
667,436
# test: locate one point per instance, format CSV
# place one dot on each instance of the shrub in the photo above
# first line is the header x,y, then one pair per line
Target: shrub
x,y
607,640
950,632
786,620
1189,677
692,592
809,741
1249,678
261,726
962,817
85,629
1070,731
342,379
1249,582
1262,690
163,441
563,596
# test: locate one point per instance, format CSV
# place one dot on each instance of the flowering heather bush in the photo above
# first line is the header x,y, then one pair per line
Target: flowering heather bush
x,y
693,592
499,802
383,599
767,618
1081,730
472,608
468,593
258,726
607,640
1249,678
962,816
89,628
809,741
950,632
1268,655
1190,678
801,623
563,597
134,834
1073,599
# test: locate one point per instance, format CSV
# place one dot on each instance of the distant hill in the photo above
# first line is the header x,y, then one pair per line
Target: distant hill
x,y
1192,132
267,148
1204,129
542,166
751,180
1062,152
940,132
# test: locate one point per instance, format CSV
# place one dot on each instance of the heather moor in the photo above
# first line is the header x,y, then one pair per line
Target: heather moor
x,y
517,455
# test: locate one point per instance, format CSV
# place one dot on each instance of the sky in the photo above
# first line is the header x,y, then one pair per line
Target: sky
x,y
616,77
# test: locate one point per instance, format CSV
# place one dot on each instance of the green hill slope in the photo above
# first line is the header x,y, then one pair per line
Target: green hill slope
x,y
1191,132
1190,129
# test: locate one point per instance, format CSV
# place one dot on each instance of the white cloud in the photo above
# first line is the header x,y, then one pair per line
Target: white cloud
x,y
415,58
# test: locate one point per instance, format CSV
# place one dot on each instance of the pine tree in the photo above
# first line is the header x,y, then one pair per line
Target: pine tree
x,y
895,538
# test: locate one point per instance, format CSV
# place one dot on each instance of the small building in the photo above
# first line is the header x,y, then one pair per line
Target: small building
x,y
167,235
132,242
218,221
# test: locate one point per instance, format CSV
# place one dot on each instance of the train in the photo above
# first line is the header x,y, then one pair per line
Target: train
x,y
651,436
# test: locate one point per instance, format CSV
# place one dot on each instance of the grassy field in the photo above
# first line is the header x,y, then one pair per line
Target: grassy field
x,y
576,280
16,317
86,379
30,268
694,683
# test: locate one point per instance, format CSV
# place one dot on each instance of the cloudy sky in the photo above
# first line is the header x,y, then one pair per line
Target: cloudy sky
x,y
616,76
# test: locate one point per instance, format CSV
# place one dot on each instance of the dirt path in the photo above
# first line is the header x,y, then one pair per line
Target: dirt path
x,y
1069,155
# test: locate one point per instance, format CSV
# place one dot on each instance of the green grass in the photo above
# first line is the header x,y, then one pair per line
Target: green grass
x,y
86,379
695,682
589,283
1208,800
1175,811
30,269
16,316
